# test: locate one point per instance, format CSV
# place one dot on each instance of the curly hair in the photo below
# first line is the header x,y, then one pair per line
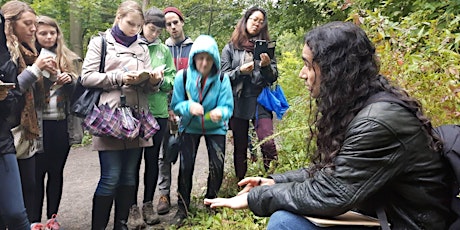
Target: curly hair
x,y
64,56
241,35
12,11
349,76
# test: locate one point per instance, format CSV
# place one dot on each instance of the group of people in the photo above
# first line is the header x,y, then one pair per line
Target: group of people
x,y
363,145
38,109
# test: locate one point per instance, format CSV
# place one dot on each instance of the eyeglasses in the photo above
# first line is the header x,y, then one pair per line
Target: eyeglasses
x,y
257,20
175,22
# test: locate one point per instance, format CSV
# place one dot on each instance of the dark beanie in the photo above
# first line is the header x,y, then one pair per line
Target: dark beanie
x,y
155,16
174,10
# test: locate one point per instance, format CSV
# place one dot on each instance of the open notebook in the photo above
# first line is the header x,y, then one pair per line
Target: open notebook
x,y
349,218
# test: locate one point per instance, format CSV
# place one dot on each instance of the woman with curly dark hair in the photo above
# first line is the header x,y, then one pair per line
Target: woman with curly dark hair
x,y
371,154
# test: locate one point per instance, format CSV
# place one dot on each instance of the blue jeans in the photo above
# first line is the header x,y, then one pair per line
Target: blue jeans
x,y
284,220
12,211
118,168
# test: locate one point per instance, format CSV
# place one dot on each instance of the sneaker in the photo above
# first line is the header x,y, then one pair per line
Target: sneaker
x,y
52,224
149,215
37,226
163,205
179,218
135,220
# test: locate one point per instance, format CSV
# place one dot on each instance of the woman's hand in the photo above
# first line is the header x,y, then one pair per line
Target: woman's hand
x,y
252,182
196,109
236,202
156,77
215,115
247,68
63,78
264,60
130,78
47,63
4,91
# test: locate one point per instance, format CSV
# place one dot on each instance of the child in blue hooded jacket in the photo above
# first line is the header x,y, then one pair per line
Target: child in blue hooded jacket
x,y
205,106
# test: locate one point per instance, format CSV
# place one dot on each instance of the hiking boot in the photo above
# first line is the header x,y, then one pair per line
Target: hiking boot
x,y
52,224
149,215
37,226
163,205
179,218
135,220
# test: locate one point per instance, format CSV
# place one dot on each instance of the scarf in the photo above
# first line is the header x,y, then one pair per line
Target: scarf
x,y
121,38
248,45
29,119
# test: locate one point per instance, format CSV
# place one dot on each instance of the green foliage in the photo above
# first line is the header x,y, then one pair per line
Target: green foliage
x,y
417,43
421,56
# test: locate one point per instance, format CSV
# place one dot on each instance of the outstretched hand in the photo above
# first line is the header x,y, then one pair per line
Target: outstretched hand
x,y
251,182
239,201
236,202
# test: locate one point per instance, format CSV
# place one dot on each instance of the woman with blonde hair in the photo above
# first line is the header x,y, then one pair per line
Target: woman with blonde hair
x,y
12,211
20,27
118,157
59,128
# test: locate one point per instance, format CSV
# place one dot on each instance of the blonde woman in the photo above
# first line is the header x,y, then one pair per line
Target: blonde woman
x,y
118,158
58,130
20,21
12,208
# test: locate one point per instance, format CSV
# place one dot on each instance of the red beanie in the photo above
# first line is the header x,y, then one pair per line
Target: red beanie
x,y
174,10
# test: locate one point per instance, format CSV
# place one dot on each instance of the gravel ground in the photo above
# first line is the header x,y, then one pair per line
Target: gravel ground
x,y
81,175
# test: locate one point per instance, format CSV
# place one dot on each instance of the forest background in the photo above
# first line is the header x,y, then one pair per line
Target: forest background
x,y
417,42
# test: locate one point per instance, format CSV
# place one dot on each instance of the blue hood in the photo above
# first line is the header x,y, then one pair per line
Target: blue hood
x,y
205,43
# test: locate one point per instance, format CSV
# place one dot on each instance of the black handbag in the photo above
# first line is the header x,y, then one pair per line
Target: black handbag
x,y
84,99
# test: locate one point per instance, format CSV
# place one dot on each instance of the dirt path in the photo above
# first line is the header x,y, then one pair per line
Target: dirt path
x,y
81,175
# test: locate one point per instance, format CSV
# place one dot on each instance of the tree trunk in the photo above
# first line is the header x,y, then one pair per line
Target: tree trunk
x,y
76,33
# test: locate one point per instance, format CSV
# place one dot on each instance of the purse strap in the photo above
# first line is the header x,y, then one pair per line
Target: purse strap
x,y
103,53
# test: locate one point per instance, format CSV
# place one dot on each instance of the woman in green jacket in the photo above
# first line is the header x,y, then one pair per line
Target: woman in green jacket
x,y
158,104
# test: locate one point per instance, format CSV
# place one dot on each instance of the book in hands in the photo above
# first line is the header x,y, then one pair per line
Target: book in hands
x,y
349,218
143,75
7,85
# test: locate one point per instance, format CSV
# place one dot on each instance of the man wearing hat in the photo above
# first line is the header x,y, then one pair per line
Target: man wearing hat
x,y
154,23
180,46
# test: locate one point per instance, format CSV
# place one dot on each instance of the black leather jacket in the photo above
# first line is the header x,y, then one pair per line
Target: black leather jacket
x,y
384,159
12,104
246,88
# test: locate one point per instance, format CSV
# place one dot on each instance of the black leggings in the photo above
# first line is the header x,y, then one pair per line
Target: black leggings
x,y
27,172
151,155
51,161
215,145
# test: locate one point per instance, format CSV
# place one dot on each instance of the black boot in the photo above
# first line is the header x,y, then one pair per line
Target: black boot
x,y
124,199
101,212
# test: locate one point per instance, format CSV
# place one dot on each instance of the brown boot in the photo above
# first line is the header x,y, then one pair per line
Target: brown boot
x,y
135,220
149,215
164,205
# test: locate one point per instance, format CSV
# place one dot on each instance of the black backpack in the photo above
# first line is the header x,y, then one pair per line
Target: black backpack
x,y
450,136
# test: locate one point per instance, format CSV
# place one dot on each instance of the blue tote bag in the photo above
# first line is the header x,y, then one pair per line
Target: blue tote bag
x,y
273,100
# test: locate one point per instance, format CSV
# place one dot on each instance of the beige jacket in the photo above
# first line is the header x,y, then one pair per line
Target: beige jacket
x,y
118,60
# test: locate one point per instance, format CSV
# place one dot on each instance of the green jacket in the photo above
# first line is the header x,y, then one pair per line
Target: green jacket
x,y
159,55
